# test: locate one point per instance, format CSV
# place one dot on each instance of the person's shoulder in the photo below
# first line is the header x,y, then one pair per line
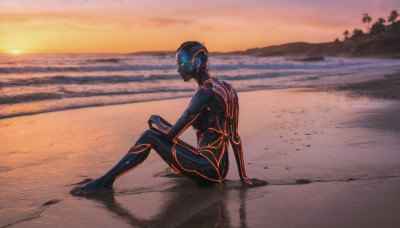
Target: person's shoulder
x,y
205,90
207,87
229,88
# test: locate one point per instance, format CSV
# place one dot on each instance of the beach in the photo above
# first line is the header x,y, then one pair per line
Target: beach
x,y
331,159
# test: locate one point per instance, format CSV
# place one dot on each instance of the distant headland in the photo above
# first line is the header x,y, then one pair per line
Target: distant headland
x,y
381,41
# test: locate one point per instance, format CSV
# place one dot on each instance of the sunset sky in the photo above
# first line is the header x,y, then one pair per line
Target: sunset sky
x,y
122,26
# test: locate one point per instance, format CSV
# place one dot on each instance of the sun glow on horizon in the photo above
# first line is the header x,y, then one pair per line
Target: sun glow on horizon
x,y
15,52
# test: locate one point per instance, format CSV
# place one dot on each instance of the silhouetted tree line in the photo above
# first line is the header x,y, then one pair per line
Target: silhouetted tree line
x,y
377,28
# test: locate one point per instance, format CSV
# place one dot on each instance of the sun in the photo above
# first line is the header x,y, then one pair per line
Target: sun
x,y
14,52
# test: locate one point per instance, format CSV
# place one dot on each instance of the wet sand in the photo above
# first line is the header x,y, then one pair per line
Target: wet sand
x,y
332,160
388,87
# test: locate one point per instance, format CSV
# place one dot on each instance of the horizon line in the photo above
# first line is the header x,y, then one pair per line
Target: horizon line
x,y
157,51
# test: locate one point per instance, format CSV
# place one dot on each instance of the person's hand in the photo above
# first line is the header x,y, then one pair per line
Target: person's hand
x,y
254,182
153,119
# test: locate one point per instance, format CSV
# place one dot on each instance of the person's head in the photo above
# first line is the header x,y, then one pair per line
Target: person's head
x,y
191,57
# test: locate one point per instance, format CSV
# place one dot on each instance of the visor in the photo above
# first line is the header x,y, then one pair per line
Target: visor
x,y
182,58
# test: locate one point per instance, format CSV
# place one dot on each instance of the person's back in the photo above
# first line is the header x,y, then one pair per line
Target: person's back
x,y
218,123
212,126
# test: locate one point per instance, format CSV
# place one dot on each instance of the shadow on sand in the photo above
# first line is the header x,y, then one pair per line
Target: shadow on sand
x,y
187,205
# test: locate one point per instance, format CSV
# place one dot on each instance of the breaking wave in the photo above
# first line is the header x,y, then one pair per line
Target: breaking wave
x,y
42,83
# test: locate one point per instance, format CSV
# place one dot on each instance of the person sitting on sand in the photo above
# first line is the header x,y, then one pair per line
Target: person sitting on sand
x,y
213,112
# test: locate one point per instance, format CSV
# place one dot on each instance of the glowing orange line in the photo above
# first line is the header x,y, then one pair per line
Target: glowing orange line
x,y
211,145
220,138
223,150
135,152
219,175
227,89
230,108
208,80
193,171
237,118
127,171
211,154
218,124
176,170
234,140
187,125
242,161
210,128
226,172
196,153
166,132
193,151
201,50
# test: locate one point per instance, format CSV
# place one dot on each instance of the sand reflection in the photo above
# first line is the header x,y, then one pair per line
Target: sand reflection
x,y
185,206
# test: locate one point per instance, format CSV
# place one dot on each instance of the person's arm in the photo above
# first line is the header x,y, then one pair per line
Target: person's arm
x,y
236,143
159,122
199,102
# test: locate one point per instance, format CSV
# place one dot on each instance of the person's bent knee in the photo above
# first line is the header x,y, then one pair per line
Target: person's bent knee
x,y
147,134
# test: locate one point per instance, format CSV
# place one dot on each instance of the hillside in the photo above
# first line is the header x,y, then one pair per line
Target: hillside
x,y
385,44
385,47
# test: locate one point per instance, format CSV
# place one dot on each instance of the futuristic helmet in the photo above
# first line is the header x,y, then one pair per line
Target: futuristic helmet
x,y
191,60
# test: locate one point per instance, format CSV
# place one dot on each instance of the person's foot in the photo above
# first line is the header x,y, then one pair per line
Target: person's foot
x,y
256,182
93,187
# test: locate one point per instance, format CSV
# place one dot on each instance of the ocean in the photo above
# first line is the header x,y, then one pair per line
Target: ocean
x,y
37,83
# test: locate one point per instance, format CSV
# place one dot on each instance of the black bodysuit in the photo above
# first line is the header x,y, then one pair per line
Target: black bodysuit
x,y
213,112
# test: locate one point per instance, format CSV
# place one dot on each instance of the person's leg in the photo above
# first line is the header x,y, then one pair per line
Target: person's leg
x,y
180,157
183,158
135,156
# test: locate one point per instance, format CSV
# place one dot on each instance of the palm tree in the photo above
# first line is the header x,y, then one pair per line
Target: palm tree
x,y
366,19
378,27
393,16
381,20
357,32
346,33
